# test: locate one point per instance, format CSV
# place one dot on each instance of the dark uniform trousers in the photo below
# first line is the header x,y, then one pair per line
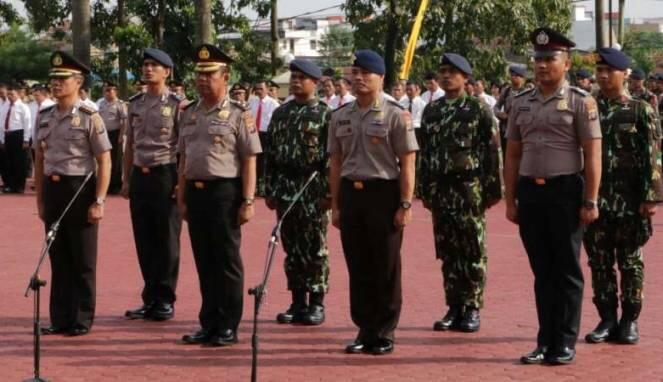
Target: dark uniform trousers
x,y
549,221
16,160
116,162
212,209
260,163
371,244
73,254
156,225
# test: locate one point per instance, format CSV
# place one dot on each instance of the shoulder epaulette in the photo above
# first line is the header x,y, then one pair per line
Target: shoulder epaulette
x,y
240,105
48,108
342,106
580,91
135,96
522,93
86,109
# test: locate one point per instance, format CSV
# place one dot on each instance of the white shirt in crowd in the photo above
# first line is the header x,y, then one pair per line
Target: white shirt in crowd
x,y
329,100
90,103
428,97
416,110
490,100
339,100
34,111
19,119
269,104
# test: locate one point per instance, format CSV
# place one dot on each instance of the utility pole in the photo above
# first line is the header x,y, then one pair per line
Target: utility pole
x,y
620,26
122,53
275,36
390,44
598,16
80,28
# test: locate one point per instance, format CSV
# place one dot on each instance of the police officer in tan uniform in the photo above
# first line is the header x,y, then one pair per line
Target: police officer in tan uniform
x,y
373,149
217,180
552,174
150,177
71,142
114,113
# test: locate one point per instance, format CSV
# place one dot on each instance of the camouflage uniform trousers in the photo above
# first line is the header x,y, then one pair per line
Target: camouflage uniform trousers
x,y
460,243
304,239
621,239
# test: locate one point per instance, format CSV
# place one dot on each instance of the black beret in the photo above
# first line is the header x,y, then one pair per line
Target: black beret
x,y
659,76
65,65
613,58
547,42
159,56
583,73
369,60
209,58
307,67
638,74
518,70
239,86
110,84
175,83
457,61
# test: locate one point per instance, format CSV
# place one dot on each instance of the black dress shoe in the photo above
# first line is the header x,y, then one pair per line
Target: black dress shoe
x,y
535,357
628,332
52,330
604,331
78,330
293,315
139,313
225,337
381,347
315,315
202,336
356,347
451,320
471,321
560,356
161,312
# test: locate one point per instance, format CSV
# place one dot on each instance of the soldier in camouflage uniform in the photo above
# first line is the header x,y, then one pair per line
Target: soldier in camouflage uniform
x,y
298,132
460,178
630,189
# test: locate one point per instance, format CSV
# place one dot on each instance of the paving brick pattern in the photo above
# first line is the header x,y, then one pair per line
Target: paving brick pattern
x,y
120,350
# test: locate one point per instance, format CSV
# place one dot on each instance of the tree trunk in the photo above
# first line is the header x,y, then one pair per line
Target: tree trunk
x,y
204,22
598,17
275,36
80,29
160,23
390,44
122,53
620,27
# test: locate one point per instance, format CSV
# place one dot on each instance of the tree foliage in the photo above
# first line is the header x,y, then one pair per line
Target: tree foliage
x,y
337,46
645,48
22,57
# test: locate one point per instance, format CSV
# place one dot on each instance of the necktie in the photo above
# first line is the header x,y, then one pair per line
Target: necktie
x,y
9,113
259,114
409,106
430,97
340,101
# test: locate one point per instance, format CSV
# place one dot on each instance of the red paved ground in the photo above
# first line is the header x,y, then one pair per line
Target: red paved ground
x,y
119,350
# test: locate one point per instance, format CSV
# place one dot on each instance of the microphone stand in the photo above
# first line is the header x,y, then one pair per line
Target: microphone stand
x,y
36,283
259,291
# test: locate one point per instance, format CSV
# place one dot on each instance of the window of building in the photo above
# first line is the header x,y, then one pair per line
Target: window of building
x,y
292,45
314,45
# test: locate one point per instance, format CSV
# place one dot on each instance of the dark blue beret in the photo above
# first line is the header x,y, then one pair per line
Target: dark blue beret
x,y
614,58
307,67
583,73
159,56
659,76
369,60
638,74
457,61
518,70
547,42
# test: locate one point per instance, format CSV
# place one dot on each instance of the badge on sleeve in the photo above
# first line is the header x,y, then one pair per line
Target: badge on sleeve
x,y
249,122
592,110
224,114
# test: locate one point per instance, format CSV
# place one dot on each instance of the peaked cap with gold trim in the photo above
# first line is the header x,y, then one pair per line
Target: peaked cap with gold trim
x,y
209,58
65,65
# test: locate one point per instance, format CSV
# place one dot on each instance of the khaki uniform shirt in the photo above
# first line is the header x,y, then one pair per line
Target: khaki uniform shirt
x,y
71,140
216,140
552,130
152,129
370,141
113,113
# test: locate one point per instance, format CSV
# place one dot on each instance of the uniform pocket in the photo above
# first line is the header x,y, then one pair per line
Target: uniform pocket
x,y
76,133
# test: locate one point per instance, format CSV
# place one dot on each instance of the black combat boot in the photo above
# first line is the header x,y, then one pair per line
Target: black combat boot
x,y
296,310
451,320
606,330
315,315
628,325
471,320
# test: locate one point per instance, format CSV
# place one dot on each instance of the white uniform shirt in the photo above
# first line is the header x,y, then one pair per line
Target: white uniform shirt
x,y
329,100
336,101
90,103
417,109
19,119
269,104
34,112
428,97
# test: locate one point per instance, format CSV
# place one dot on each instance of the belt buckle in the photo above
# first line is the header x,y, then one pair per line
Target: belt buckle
x,y
358,185
145,170
540,181
55,178
199,185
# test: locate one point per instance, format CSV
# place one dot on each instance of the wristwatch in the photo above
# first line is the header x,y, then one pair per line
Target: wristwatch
x,y
248,201
405,205
588,204
100,201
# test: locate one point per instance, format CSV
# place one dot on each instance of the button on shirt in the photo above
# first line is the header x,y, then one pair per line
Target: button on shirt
x,y
268,106
370,141
19,119
152,129
71,140
551,130
216,140
113,113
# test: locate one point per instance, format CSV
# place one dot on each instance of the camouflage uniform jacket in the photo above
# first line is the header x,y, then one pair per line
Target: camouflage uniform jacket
x,y
298,137
631,159
460,142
